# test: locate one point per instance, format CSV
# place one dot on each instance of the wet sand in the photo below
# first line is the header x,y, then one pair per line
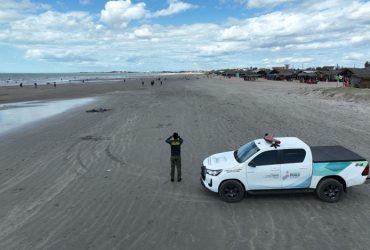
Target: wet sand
x,y
101,180
73,90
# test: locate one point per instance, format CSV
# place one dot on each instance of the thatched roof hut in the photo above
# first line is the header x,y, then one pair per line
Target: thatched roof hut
x,y
263,72
358,78
282,74
309,77
327,75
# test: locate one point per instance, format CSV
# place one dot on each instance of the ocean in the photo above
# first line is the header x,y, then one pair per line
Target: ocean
x,y
11,79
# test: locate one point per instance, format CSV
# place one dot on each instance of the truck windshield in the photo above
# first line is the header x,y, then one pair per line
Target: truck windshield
x,y
245,152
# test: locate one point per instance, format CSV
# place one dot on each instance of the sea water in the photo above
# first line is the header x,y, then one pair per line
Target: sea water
x,y
16,115
11,79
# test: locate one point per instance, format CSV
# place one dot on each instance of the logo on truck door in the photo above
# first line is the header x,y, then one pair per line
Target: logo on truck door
x,y
290,175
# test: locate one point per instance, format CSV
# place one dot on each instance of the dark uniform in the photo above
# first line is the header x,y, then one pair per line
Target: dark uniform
x,y
175,156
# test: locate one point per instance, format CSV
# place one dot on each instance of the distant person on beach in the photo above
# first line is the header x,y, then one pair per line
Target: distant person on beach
x,y
142,83
152,83
175,141
21,85
35,84
55,84
161,82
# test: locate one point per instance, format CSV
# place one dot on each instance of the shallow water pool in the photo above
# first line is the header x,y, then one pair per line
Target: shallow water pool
x,y
15,115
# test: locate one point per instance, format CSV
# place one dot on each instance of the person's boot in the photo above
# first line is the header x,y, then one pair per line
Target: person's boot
x,y
172,180
179,179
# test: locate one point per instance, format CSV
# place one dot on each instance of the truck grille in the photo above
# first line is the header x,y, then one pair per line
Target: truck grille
x,y
203,172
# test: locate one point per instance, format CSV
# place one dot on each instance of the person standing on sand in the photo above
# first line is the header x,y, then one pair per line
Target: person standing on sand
x,y
142,83
175,141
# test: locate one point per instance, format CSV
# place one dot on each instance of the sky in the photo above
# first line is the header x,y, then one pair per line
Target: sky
x,y
154,35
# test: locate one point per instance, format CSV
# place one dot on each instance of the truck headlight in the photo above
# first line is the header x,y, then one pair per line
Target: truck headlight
x,y
214,172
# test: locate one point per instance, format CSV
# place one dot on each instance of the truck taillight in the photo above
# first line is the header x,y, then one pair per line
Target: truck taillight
x,y
366,171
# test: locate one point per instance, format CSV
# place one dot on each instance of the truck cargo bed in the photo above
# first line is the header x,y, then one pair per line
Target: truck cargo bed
x,y
334,154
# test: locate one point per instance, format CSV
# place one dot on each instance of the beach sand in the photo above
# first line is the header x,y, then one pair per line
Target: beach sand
x,y
73,90
101,180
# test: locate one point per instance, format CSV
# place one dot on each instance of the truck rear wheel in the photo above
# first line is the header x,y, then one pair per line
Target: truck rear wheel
x,y
231,191
329,190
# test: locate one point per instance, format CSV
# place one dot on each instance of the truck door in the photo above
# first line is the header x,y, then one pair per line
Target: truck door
x,y
263,171
296,172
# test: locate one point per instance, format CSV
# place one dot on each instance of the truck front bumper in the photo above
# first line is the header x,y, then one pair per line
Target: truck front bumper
x,y
209,182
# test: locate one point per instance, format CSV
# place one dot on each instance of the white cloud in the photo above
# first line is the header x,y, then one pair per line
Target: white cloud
x,y
265,3
11,10
297,35
266,61
303,28
143,32
360,11
58,55
288,60
21,5
262,3
119,13
174,7
272,24
218,48
354,56
52,27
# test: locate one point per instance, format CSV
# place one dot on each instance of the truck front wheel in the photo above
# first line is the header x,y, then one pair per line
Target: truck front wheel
x,y
231,191
329,190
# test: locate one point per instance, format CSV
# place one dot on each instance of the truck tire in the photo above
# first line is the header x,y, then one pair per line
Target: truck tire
x,y
329,190
231,191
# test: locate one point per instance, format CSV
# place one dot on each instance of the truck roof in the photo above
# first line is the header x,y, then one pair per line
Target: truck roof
x,y
285,142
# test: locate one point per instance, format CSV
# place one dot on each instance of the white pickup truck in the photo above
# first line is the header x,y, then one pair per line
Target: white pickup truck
x,y
283,164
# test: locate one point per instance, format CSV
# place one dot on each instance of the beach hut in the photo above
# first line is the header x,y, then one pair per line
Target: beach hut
x,y
282,74
250,77
348,72
356,77
327,75
263,73
309,77
360,80
242,74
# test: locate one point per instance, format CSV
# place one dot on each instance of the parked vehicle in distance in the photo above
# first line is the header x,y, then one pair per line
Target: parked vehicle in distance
x,y
284,164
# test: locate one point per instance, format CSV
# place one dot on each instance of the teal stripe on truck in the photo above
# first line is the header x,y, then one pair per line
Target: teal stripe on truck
x,y
329,168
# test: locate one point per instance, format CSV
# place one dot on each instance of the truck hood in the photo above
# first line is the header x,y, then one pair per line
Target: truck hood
x,y
220,161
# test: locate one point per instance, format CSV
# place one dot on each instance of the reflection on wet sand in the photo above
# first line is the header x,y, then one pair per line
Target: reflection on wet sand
x,y
15,115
